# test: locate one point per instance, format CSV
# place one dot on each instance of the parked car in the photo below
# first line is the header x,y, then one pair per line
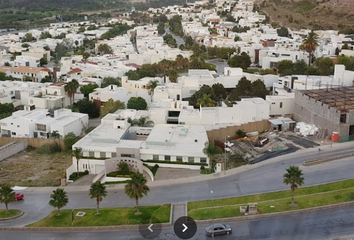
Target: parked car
x,y
218,229
19,196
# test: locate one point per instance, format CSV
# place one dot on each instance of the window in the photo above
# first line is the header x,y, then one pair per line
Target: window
x,y
91,154
102,154
155,157
179,158
41,127
128,155
114,155
13,133
167,158
281,105
191,159
203,160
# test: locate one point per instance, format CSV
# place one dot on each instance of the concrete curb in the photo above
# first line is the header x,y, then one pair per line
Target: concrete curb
x,y
11,218
319,161
279,214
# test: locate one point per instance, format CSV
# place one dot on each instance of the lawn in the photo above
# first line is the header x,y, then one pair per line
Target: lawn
x,y
108,217
11,213
306,197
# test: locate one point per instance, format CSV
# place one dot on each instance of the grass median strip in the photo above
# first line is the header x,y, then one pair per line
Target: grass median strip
x,y
108,217
306,197
11,213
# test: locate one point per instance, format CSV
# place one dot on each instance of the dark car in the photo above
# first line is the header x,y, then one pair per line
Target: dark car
x,y
218,229
19,196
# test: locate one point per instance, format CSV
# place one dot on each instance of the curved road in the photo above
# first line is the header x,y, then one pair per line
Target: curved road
x,y
263,177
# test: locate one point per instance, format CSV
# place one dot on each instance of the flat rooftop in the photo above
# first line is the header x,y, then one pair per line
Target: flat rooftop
x,y
341,98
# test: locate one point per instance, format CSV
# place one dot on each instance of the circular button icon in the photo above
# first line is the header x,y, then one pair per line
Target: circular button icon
x,y
150,228
185,227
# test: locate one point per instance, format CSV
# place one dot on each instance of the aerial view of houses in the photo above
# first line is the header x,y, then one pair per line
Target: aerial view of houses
x,y
183,99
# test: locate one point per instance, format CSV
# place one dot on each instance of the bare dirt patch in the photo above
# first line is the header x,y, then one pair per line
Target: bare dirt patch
x,y
34,170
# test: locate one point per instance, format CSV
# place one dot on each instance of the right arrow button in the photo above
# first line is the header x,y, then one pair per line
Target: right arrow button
x,y
185,227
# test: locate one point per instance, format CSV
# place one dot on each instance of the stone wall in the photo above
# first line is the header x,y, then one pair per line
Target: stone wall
x,y
11,149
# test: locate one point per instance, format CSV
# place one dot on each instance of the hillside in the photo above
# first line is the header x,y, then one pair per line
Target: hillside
x,y
325,14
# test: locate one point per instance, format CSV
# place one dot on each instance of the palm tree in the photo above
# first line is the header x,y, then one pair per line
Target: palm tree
x,y
211,150
76,153
7,195
71,88
98,191
206,101
58,199
310,44
136,188
144,122
152,85
293,177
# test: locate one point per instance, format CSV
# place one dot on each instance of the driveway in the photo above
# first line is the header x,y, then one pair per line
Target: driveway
x,y
175,173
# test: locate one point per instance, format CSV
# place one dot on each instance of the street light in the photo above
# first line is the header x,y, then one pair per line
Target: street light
x,y
227,148
212,204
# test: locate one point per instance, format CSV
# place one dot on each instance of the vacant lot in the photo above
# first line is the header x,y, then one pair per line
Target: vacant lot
x,y
32,169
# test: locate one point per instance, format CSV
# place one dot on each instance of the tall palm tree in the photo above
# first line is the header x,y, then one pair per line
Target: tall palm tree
x,y
77,153
70,88
98,191
310,44
136,188
293,177
7,195
144,122
152,85
58,199
206,101
211,150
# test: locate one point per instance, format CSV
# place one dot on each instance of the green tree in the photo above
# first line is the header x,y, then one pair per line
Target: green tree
x,y
243,61
6,110
348,62
45,35
325,66
206,101
137,103
43,61
98,191
285,67
219,91
123,168
310,44
55,134
28,37
173,76
111,81
58,199
293,177
204,90
243,88
77,153
60,50
87,89
110,107
152,85
2,76
104,49
70,139
88,107
71,88
7,195
299,67
283,32
211,150
141,122
136,188
161,28
259,89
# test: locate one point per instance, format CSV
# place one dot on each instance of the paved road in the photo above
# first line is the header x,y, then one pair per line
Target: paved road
x,y
262,177
324,225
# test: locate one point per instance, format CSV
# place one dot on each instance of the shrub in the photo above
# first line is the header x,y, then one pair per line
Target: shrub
x,y
74,176
30,148
123,168
240,133
49,148
118,174
202,167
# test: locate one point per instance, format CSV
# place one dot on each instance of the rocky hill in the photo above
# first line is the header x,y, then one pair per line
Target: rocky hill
x,y
323,14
